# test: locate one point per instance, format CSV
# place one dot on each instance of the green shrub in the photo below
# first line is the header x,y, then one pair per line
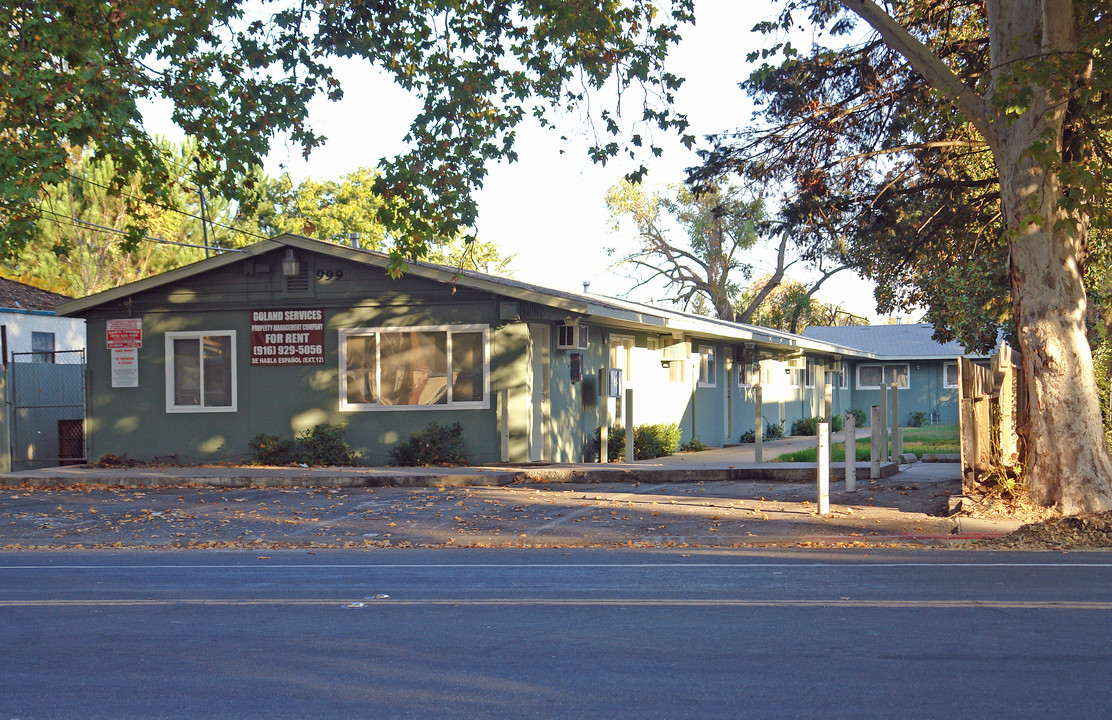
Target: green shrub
x,y
810,426
860,419
322,445
649,441
774,431
916,418
805,426
693,445
435,445
653,441
271,450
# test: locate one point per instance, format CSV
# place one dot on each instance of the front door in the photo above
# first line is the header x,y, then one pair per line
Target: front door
x,y
540,340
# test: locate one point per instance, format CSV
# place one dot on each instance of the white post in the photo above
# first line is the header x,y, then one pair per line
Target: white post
x,y
603,417
897,442
758,424
851,453
824,468
629,424
897,447
884,422
504,423
877,428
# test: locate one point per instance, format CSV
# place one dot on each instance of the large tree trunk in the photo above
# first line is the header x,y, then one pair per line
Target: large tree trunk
x,y
1068,460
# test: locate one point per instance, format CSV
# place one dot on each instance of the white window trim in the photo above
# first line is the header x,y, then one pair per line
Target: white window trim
x,y
946,384
844,382
712,351
810,372
484,404
169,340
627,369
907,375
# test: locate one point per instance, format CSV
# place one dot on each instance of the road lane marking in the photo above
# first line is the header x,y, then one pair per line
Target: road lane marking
x,y
578,602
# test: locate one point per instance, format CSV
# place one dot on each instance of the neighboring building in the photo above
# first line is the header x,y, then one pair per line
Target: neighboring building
x,y
292,332
28,323
925,369
43,355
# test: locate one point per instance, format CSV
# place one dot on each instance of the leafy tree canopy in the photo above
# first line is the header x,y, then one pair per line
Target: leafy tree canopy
x,y
239,73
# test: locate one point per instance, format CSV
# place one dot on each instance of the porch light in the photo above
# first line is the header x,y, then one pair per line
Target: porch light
x,y
290,265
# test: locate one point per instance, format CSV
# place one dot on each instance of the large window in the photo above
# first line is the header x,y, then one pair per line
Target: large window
x,y
414,367
201,371
870,377
706,366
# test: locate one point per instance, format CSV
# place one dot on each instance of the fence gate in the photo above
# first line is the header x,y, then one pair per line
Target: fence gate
x,y
48,409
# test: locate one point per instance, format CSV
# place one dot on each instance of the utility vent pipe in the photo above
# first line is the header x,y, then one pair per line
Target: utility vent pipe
x,y
354,238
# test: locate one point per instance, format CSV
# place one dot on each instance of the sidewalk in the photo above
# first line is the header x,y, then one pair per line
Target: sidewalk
x,y
712,498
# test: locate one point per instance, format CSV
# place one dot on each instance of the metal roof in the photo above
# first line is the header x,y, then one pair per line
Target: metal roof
x,y
904,342
585,307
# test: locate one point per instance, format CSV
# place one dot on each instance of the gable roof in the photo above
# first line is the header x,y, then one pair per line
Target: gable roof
x,y
579,306
898,342
20,296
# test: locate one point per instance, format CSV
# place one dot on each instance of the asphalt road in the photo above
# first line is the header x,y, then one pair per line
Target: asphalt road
x,y
555,634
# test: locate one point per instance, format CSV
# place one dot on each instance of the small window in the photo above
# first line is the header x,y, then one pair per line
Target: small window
x,y
201,372
42,344
707,368
950,375
870,377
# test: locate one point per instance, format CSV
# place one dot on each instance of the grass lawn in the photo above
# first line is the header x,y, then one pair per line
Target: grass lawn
x,y
937,439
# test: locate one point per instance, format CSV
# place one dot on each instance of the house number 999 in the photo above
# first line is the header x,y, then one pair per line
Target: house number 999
x,y
329,274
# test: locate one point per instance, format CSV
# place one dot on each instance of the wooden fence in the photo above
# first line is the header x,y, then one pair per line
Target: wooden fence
x,y
989,412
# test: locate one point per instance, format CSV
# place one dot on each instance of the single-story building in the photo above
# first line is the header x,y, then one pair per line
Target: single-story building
x,y
292,332
42,424
925,370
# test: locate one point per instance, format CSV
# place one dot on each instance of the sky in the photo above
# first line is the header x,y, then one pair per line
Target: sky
x,y
548,209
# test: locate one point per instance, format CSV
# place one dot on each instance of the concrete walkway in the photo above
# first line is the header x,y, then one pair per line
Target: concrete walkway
x,y
718,498
735,463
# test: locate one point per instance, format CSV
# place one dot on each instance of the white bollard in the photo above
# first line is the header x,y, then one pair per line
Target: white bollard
x,y
851,453
878,432
824,469
629,425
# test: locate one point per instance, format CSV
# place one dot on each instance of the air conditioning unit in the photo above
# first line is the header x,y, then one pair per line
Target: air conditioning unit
x,y
834,366
797,363
571,337
675,350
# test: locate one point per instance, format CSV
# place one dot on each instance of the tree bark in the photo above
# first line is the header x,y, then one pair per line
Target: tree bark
x,y
1067,457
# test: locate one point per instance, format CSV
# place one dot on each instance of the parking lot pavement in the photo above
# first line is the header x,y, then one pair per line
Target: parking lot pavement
x,y
909,507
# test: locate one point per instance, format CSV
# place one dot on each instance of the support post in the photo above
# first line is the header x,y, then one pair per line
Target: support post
x,y
758,424
504,423
877,428
897,443
603,417
883,422
629,425
897,448
851,453
824,468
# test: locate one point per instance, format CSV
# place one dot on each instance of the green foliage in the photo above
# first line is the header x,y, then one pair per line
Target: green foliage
x,y
916,418
693,445
860,419
702,263
238,75
805,426
435,445
322,445
649,441
810,426
272,450
772,431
